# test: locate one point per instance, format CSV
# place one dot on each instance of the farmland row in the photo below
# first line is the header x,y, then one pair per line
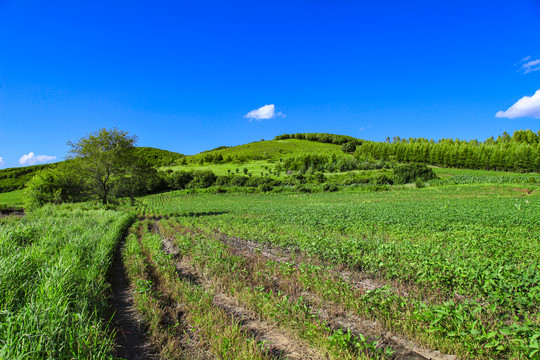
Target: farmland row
x,y
255,305
460,265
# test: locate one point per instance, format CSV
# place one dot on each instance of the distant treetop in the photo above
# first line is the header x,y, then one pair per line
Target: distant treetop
x,y
322,137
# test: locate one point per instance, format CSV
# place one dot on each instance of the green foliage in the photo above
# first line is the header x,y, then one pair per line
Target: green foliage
x,y
203,179
519,153
264,150
265,187
179,179
330,188
381,179
470,277
141,179
405,174
328,163
419,183
157,157
55,185
105,159
12,199
16,178
348,147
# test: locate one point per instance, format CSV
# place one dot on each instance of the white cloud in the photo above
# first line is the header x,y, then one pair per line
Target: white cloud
x,y
32,159
262,113
2,162
527,106
528,65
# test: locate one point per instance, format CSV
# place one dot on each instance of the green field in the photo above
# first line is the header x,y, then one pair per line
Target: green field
x,y
12,199
459,266
254,167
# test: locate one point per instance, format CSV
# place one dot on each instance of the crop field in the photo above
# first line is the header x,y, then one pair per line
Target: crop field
x,y
53,285
449,271
414,273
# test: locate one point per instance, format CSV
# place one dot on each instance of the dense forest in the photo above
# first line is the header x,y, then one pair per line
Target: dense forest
x,y
520,152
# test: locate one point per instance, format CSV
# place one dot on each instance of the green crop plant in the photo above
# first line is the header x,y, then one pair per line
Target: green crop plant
x,y
467,243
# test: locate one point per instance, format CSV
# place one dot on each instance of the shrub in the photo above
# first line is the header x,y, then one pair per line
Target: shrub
x,y
265,187
348,147
179,179
302,189
330,188
219,190
203,179
405,174
382,179
55,185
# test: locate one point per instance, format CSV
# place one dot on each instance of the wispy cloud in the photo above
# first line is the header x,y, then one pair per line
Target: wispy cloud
x,y
528,65
527,106
263,113
32,159
2,162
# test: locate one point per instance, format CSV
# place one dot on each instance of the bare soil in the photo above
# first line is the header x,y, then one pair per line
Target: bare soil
x,y
6,212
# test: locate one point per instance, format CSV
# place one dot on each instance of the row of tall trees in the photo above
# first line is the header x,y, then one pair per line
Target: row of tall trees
x,y
520,152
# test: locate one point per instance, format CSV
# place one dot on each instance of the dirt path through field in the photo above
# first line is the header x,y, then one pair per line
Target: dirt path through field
x,y
130,339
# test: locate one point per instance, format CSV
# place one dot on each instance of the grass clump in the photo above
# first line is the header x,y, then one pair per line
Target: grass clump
x,y
53,266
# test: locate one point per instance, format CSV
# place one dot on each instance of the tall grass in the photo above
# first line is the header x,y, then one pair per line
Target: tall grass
x,y
53,285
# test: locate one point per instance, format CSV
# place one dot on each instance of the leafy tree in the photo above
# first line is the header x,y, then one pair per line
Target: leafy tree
x,y
55,185
104,159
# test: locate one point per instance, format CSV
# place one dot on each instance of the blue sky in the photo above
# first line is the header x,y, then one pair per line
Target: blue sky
x,y
183,75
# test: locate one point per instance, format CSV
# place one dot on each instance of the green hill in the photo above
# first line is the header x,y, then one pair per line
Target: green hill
x,y
158,157
16,178
270,149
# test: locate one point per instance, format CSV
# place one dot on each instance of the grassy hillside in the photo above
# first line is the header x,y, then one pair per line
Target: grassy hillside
x,y
16,178
272,149
157,157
